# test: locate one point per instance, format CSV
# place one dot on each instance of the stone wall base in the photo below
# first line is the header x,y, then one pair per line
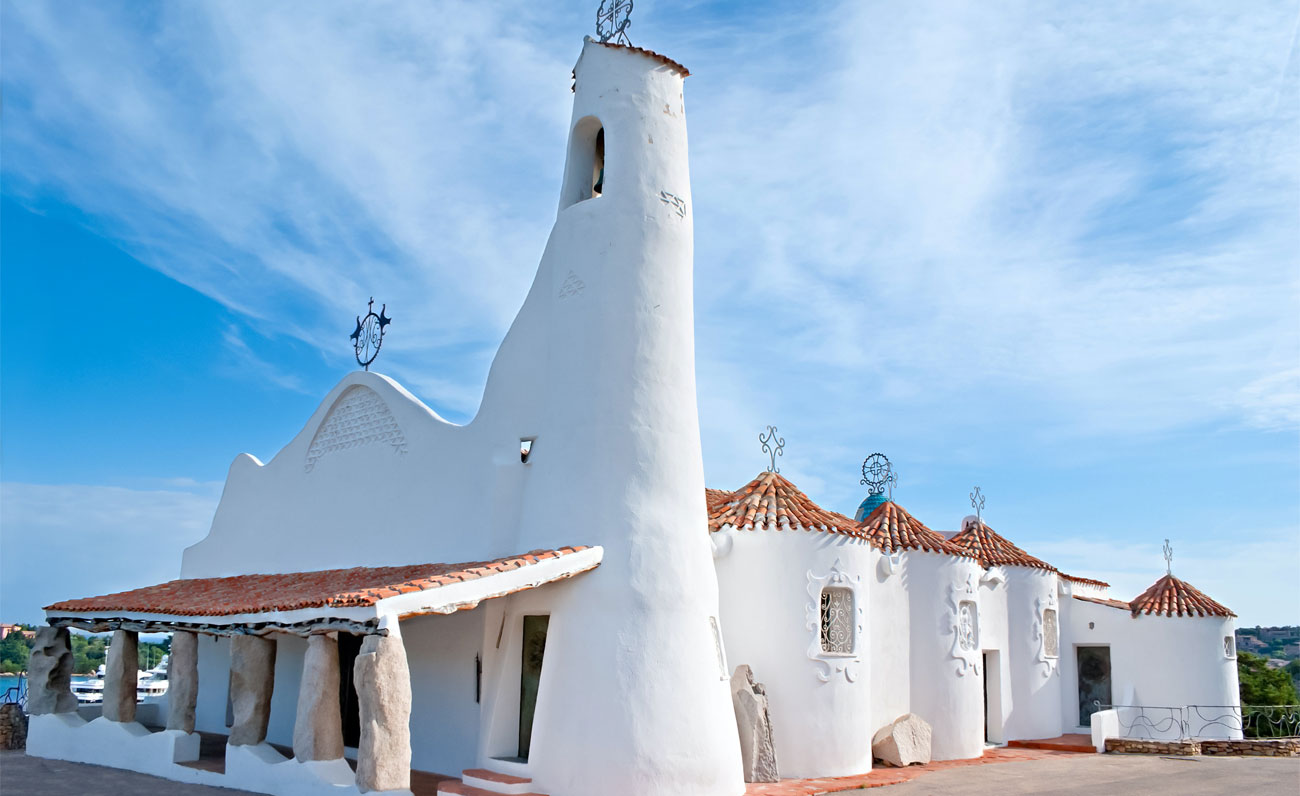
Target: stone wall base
x,y
13,727
1254,747
1248,747
1133,746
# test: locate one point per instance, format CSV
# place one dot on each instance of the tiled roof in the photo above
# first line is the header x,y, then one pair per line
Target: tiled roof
x,y
1170,596
771,500
1104,601
890,527
663,59
329,588
1088,581
985,545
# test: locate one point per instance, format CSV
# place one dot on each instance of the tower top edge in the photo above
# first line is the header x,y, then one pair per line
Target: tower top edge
x,y
651,54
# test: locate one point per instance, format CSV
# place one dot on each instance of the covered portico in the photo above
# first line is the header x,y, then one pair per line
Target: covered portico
x,y
256,613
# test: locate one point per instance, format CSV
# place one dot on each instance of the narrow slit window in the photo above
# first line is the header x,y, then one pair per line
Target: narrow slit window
x,y
598,166
526,448
837,621
1229,646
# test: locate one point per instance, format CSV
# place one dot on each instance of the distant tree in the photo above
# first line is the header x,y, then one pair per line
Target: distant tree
x,y
14,652
1261,685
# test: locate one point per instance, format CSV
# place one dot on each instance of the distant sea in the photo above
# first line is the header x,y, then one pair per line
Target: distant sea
x,y
8,681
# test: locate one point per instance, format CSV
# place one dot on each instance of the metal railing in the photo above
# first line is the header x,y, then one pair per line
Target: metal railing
x,y
16,695
1196,722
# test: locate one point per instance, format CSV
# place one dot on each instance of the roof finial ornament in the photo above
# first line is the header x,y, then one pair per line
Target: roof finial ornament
x,y
1169,558
369,335
613,20
773,446
878,473
977,502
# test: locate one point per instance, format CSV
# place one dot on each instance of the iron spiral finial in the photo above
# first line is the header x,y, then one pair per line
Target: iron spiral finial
x,y
613,18
369,334
1169,558
773,446
977,503
878,474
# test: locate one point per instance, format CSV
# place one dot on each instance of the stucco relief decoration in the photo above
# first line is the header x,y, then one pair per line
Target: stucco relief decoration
x,y
678,204
1047,633
836,620
359,417
963,622
572,286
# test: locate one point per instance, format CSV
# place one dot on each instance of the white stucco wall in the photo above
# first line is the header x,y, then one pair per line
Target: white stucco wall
x,y
995,649
890,622
820,704
214,684
440,651
1034,707
1155,660
946,681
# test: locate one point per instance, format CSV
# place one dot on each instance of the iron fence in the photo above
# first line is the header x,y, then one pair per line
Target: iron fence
x,y
1194,722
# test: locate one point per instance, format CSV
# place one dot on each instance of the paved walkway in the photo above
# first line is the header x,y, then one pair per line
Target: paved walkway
x,y
1040,772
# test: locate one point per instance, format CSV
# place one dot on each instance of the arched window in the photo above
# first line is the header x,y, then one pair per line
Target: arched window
x,y
584,174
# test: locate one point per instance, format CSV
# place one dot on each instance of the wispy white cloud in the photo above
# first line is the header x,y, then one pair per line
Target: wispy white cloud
x,y
62,541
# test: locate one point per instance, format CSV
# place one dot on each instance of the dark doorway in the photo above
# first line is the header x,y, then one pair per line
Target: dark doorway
x,y
1094,681
530,676
986,697
349,707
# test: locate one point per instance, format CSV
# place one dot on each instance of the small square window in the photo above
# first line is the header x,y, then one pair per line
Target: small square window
x,y
837,621
526,448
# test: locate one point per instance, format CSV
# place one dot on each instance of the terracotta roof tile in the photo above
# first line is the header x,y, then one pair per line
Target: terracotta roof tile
x,y
1170,596
663,59
1104,601
770,500
890,527
1088,581
330,588
985,545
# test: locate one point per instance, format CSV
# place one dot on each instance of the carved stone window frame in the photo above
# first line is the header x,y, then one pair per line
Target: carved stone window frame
x,y
830,664
1230,646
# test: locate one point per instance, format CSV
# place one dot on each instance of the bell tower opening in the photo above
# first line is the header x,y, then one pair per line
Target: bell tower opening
x,y
584,176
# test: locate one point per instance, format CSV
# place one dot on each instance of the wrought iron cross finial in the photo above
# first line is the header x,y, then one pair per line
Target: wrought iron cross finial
x,y
977,502
1169,558
878,473
773,446
613,20
369,334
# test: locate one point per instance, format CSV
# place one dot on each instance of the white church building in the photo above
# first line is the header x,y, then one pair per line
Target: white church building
x,y
548,599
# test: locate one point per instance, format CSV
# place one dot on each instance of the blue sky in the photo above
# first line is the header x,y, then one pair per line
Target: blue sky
x,y
1050,249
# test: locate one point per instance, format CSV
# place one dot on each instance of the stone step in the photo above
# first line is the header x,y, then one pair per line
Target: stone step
x,y
1065,743
481,782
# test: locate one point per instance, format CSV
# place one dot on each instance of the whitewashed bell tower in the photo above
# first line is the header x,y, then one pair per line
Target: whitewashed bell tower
x,y
600,367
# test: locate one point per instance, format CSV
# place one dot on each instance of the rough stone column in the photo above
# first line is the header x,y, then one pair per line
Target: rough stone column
x,y
182,681
252,678
49,673
120,674
383,683
318,729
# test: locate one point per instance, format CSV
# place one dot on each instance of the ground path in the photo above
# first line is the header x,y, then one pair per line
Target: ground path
x,y
1005,773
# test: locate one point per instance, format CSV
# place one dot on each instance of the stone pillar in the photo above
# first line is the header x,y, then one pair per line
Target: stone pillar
x,y
318,729
754,722
252,678
49,673
120,674
182,681
383,683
